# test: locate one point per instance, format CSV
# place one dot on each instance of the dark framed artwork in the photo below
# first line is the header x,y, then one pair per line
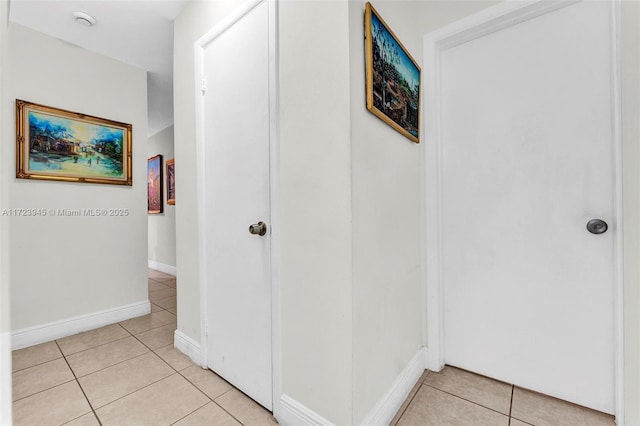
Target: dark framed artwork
x,y
154,184
393,78
171,181
55,144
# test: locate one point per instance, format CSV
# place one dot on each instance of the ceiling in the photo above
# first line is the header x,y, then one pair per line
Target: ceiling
x,y
137,32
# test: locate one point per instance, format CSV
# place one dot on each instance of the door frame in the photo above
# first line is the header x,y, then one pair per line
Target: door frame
x,y
274,148
488,21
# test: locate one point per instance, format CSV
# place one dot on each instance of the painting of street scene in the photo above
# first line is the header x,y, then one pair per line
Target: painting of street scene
x,y
61,145
393,78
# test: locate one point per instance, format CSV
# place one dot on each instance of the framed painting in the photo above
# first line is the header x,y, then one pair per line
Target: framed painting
x,y
392,76
171,181
55,144
154,184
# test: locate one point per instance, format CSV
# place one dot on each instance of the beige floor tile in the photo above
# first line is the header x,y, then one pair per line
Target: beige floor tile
x,y
34,355
424,376
475,388
161,294
91,339
174,357
148,322
88,419
153,274
210,414
173,310
92,360
51,407
432,407
542,410
155,286
167,303
158,337
40,377
114,382
162,403
169,283
406,402
155,308
243,408
516,422
206,380
165,280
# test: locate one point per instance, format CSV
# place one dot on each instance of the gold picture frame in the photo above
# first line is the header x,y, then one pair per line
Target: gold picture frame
x,y
171,181
392,76
59,145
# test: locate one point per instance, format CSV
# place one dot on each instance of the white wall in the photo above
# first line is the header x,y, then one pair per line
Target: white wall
x,y
388,212
162,227
5,305
63,267
630,81
315,206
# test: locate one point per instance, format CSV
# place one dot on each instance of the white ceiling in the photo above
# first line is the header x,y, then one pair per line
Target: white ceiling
x,y
137,32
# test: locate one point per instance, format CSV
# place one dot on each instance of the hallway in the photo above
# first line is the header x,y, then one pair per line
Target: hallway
x,y
126,374
130,374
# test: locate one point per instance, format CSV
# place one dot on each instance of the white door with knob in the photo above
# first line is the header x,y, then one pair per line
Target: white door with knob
x,y
526,160
236,126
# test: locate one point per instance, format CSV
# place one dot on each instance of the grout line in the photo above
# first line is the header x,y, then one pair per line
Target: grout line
x,y
80,386
464,399
511,403
399,415
93,347
43,390
35,365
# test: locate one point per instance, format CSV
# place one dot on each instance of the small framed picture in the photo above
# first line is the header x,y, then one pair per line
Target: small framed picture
x,y
393,78
171,181
154,184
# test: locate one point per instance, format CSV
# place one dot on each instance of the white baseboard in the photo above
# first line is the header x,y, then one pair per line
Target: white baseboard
x,y
189,347
167,269
55,330
387,407
292,413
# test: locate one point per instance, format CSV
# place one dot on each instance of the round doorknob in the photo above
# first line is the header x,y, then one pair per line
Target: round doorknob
x,y
259,228
597,226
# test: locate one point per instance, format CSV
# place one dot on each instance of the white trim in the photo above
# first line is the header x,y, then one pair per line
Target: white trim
x,y
490,20
293,413
167,269
189,347
55,330
199,47
618,236
274,178
387,407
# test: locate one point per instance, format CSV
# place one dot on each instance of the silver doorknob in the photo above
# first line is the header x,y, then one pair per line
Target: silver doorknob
x,y
259,228
597,226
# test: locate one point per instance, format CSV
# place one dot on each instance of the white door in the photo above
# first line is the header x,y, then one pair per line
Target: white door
x,y
527,161
236,163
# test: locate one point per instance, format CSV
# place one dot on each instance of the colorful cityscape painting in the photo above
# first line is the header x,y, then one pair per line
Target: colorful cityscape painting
x,y
393,78
61,145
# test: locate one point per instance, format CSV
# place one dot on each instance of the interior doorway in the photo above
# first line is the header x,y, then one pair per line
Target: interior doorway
x,y
236,135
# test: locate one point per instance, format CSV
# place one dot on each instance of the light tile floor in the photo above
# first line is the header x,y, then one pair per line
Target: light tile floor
x,y
130,374
126,374
458,397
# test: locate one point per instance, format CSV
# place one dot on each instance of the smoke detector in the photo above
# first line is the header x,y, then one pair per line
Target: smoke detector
x,y
84,19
